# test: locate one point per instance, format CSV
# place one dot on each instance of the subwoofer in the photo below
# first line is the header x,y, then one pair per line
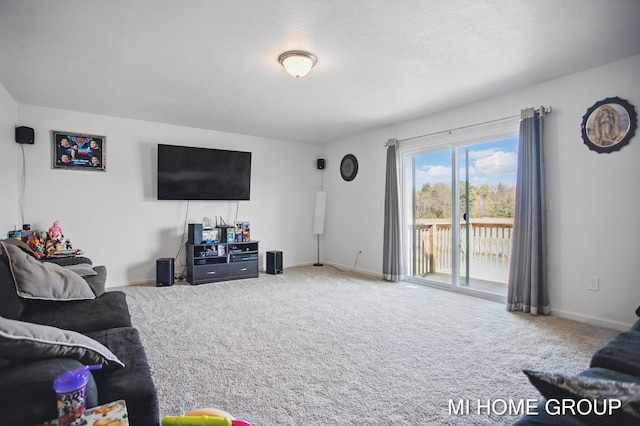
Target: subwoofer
x,y
164,272
274,262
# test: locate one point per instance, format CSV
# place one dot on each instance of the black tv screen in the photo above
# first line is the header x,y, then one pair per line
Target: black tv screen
x,y
189,173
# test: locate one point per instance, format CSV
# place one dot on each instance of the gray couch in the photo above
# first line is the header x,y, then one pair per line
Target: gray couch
x,y
28,366
612,379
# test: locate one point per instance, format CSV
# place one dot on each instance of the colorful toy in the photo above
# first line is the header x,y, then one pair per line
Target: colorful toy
x,y
37,245
214,412
204,417
195,421
55,232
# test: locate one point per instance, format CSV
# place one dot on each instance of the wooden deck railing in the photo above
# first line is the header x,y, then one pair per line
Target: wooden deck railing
x,y
489,241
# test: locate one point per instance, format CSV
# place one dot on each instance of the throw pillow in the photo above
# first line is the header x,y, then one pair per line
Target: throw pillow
x,y
21,340
82,269
44,280
559,386
21,245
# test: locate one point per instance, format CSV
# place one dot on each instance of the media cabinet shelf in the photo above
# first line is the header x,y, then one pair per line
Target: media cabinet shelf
x,y
209,263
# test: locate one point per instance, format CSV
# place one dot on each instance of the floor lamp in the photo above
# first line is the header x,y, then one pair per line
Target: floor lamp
x,y
318,219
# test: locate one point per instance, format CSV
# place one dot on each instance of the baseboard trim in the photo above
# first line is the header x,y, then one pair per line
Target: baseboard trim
x,y
349,269
591,320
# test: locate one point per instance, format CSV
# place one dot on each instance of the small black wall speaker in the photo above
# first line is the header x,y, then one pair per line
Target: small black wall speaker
x,y
274,262
195,233
164,272
320,163
24,135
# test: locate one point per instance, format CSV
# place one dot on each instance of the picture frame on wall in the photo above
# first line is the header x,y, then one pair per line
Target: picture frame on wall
x,y
609,125
78,151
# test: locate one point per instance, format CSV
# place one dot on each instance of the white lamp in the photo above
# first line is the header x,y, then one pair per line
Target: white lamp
x,y
318,219
297,63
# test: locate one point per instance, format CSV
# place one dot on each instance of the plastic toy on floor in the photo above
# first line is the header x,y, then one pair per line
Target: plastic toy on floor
x,y
204,417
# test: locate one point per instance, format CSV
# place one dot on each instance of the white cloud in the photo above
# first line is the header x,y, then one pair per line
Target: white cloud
x,y
434,174
497,163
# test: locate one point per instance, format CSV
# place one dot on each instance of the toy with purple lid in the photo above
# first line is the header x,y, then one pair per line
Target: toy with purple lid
x,y
70,388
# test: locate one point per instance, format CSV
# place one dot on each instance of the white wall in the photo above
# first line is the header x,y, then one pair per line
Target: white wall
x,y
593,227
9,151
114,215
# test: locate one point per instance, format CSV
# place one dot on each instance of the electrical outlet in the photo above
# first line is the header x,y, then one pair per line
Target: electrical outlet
x,y
593,283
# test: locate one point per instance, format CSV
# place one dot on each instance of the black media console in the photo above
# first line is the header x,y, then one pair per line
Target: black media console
x,y
208,263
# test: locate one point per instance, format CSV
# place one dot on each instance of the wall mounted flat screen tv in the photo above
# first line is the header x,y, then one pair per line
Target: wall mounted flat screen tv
x,y
190,173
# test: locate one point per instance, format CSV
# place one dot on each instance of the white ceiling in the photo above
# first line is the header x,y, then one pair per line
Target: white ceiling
x,y
213,64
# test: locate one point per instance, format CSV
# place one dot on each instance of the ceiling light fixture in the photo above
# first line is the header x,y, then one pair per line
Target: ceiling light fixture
x,y
297,63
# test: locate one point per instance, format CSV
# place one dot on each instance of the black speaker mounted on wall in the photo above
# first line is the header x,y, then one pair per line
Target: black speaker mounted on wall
x,y
24,135
320,163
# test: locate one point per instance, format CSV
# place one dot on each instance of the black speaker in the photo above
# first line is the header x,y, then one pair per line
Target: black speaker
x,y
320,163
274,262
24,135
164,272
195,233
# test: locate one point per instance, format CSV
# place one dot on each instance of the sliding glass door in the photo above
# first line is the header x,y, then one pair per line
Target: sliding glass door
x,y
458,206
430,198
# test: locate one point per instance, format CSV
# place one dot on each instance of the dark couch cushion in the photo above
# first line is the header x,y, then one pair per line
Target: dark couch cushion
x,y
606,374
96,282
11,305
132,383
110,310
622,354
26,390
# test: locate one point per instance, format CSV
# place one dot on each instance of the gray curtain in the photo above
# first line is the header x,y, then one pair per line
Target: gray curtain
x,y
392,250
527,285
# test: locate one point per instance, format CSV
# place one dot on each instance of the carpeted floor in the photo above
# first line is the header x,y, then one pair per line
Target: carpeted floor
x,y
315,346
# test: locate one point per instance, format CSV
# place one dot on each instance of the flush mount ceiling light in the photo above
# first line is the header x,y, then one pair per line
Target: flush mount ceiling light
x,y
297,63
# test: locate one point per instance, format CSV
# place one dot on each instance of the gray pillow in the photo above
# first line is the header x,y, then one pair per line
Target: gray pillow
x,y
21,340
82,269
44,280
557,386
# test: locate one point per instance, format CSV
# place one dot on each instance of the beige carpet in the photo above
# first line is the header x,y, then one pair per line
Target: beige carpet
x,y
315,346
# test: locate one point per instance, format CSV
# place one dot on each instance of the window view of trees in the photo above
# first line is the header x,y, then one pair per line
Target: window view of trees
x,y
491,201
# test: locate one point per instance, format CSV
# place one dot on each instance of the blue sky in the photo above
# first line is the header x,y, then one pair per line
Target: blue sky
x,y
490,163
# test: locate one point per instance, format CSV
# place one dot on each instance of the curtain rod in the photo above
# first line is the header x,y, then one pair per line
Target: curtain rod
x,y
544,110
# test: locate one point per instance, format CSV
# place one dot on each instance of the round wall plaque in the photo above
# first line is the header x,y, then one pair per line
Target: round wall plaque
x,y
609,125
349,167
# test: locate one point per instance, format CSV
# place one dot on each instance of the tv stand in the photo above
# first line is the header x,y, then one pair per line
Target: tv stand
x,y
209,263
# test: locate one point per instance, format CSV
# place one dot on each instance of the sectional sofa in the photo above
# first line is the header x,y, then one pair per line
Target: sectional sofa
x,y
57,317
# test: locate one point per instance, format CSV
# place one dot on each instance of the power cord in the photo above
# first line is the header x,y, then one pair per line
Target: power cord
x,y
182,276
354,264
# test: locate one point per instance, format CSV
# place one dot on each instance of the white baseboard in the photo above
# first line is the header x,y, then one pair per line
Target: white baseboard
x,y
588,319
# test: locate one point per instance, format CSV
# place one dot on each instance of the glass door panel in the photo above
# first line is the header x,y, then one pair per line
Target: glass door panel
x,y
487,183
430,206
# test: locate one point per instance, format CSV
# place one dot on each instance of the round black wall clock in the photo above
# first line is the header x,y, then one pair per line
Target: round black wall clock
x,y
349,167
609,125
